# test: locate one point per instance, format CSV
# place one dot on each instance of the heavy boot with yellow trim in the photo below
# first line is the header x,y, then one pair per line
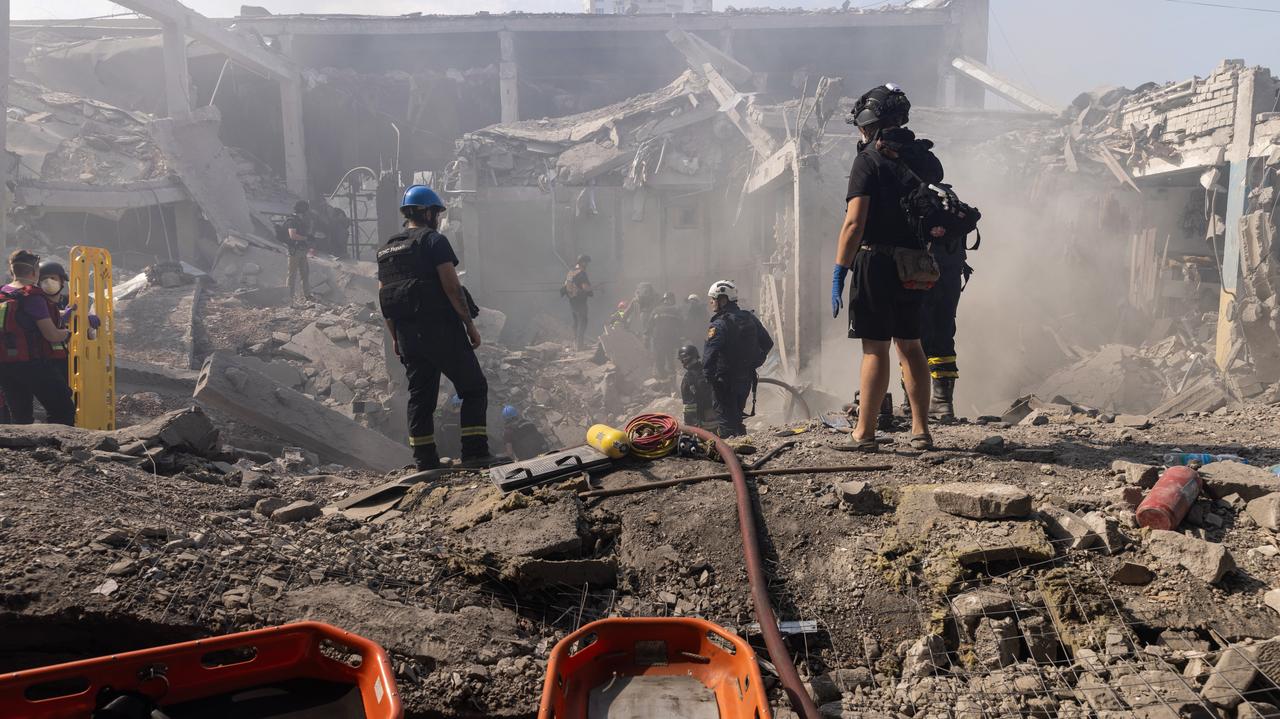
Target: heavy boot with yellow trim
x,y
944,371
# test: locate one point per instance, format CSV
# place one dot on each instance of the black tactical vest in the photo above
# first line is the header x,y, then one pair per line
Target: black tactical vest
x,y
407,289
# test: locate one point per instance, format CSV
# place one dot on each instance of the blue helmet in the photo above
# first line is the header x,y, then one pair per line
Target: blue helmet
x,y
509,413
421,196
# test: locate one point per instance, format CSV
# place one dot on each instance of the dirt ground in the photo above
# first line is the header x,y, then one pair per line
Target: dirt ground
x,y
99,556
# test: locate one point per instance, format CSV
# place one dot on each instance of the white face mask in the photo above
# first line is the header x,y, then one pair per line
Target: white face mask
x,y
51,286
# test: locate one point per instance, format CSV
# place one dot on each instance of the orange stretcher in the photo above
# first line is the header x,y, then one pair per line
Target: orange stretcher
x,y
306,669
647,668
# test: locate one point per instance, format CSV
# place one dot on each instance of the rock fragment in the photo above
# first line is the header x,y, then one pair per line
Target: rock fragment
x,y
982,501
1207,561
299,511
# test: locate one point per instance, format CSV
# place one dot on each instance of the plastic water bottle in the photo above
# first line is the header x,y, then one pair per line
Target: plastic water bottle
x,y
1182,459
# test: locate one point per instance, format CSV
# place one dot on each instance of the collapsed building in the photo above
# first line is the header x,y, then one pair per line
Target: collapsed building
x,y
918,586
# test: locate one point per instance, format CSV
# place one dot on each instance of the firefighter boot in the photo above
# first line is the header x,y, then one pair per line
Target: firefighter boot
x,y
942,405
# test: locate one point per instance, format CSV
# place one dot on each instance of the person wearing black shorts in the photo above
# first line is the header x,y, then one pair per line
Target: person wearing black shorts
x,y
881,310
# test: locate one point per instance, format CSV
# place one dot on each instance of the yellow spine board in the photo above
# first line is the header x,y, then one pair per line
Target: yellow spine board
x,y
91,361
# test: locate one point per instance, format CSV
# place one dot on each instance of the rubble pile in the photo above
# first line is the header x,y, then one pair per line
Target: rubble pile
x,y
992,576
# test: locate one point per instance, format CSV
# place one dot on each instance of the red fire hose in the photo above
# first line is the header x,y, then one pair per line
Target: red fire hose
x,y
791,684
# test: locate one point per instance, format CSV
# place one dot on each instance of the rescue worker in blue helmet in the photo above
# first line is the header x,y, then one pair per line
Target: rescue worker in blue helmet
x,y
431,321
736,347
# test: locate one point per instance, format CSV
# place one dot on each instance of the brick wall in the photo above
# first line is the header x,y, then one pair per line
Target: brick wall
x,y
1205,106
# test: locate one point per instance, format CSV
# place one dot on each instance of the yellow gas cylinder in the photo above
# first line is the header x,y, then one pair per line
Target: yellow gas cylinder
x,y
612,442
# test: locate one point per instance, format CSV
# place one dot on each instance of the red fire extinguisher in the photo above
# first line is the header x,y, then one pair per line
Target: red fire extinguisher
x,y
1170,499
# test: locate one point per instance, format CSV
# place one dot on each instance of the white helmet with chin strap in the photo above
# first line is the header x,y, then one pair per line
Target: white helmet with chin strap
x,y
725,289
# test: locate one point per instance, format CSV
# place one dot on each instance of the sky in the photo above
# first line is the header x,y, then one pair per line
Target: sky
x,y
1056,48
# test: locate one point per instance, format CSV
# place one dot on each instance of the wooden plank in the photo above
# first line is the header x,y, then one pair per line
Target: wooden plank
x,y
234,387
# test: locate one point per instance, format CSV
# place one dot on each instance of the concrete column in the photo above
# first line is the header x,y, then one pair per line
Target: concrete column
x,y
186,228
4,105
177,79
972,18
1237,190
508,77
295,153
807,269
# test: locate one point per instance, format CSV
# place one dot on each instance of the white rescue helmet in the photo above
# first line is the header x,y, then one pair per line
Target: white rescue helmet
x,y
725,289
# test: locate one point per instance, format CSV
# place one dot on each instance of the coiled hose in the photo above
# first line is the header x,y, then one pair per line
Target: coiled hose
x,y
653,436
791,683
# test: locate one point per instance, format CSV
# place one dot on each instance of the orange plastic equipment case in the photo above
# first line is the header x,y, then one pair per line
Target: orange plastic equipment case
x,y
261,673
592,671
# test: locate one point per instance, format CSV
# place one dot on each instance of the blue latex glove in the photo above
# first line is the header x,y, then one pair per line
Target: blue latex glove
x,y
838,276
94,322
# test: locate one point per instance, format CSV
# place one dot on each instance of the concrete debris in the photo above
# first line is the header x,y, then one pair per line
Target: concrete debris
x,y
861,497
973,606
1238,669
237,388
296,512
925,657
983,501
1140,475
1265,510
1245,480
1206,561
1107,530
1068,529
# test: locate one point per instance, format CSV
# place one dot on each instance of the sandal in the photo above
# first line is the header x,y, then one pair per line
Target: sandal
x,y
922,442
859,445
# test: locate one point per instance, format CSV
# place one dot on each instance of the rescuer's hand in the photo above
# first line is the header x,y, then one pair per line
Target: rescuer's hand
x,y
473,334
837,288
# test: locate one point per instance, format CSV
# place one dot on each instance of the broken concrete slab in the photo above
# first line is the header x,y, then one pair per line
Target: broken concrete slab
x,y
947,545
298,511
996,642
234,387
315,345
1265,510
188,429
134,376
258,263
159,325
973,606
627,352
982,501
1068,529
1107,531
1206,561
536,532
1114,379
1141,475
1238,669
925,657
1224,478
196,154
470,635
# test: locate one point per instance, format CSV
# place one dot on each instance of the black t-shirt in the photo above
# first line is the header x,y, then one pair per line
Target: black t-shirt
x,y
435,250
884,181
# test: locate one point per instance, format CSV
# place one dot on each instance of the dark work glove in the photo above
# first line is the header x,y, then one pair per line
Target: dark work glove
x,y
837,288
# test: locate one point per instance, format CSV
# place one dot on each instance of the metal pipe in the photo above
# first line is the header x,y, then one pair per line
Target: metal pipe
x,y
726,475
795,394
778,654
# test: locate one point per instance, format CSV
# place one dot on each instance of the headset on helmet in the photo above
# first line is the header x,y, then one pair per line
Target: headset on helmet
x,y
885,103
421,196
724,288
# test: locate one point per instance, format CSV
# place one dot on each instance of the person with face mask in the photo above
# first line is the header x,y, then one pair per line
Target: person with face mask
x,y
55,285
32,334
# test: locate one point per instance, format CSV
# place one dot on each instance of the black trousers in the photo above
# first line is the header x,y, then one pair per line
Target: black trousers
x,y
428,350
38,380
579,309
730,402
938,322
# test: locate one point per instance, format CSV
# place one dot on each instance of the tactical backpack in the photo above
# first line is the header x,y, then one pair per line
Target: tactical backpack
x,y
937,213
15,342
